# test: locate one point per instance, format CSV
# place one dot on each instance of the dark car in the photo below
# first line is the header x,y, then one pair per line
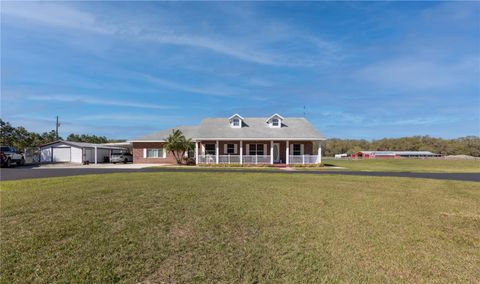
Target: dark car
x,y
9,155
121,158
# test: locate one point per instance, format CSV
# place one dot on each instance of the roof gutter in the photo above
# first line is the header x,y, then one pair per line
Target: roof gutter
x,y
238,139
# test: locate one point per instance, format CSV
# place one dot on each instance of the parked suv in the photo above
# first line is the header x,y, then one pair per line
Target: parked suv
x,y
9,155
121,158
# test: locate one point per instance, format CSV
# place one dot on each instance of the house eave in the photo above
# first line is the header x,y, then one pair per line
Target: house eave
x,y
262,138
237,139
147,141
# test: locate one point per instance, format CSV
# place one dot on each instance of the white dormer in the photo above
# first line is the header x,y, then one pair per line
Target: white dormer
x,y
236,121
275,121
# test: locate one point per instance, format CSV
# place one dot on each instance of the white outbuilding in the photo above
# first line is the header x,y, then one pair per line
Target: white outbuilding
x,y
77,152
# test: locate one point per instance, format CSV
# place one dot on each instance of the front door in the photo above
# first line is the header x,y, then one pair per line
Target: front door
x,y
276,152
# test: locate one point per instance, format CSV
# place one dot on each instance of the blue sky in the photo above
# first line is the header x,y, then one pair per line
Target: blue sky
x,y
362,70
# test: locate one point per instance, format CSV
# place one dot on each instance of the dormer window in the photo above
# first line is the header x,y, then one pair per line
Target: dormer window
x,y
236,121
275,121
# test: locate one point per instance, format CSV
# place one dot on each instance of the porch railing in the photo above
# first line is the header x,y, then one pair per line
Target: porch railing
x,y
229,159
234,159
303,159
206,159
255,159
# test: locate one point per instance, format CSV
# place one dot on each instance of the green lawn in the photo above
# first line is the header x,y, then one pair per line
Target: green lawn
x,y
239,227
407,165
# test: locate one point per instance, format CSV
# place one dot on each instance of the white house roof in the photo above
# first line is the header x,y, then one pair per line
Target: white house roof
x,y
83,145
274,115
253,128
236,115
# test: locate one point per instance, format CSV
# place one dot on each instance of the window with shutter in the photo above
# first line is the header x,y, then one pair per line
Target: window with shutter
x,y
210,149
256,149
297,149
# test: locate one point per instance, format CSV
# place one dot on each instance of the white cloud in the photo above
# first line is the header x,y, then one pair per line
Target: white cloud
x,y
217,45
217,91
130,117
246,48
95,101
55,14
420,73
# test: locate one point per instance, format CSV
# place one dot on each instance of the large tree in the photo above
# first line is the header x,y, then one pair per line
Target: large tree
x,y
178,145
87,138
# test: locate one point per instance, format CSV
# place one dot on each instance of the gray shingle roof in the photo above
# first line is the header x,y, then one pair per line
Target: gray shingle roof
x,y
253,128
84,145
257,128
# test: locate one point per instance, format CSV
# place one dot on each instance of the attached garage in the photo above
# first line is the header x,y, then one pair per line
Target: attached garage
x,y
77,152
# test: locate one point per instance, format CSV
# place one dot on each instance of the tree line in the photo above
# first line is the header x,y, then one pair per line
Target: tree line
x,y
21,138
469,145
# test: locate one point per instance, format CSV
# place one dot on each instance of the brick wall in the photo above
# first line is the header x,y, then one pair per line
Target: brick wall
x,y
139,146
138,153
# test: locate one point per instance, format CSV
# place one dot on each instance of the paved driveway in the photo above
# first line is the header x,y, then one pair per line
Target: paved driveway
x,y
29,173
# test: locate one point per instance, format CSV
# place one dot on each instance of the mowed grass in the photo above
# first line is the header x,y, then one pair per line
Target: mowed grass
x,y
407,165
239,227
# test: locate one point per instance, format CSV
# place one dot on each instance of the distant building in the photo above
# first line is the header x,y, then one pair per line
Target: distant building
x,y
77,152
341,156
394,154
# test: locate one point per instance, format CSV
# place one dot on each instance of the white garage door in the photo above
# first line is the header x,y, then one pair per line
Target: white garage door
x,y
61,154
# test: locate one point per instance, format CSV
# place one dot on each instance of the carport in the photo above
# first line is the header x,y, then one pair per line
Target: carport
x,y
77,152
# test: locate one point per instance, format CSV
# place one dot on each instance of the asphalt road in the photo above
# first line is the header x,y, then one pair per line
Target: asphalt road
x,y
29,173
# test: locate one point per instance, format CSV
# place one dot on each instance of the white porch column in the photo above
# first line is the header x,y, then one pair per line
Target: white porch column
x,y
196,152
216,152
241,152
288,152
96,155
319,153
271,152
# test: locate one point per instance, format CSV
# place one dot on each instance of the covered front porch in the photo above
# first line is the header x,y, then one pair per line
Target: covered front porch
x,y
259,152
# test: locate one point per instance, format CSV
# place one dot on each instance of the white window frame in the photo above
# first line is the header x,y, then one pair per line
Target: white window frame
x,y
157,151
235,119
277,119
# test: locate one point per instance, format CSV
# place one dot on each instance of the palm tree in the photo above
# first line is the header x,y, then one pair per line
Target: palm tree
x,y
178,145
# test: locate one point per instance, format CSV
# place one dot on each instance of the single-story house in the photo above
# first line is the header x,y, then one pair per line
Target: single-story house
x,y
394,154
77,152
239,140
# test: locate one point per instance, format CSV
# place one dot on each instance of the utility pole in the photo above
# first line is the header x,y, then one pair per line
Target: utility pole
x,y
304,114
57,125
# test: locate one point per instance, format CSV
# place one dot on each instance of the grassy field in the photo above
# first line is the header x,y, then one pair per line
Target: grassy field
x,y
407,165
239,227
